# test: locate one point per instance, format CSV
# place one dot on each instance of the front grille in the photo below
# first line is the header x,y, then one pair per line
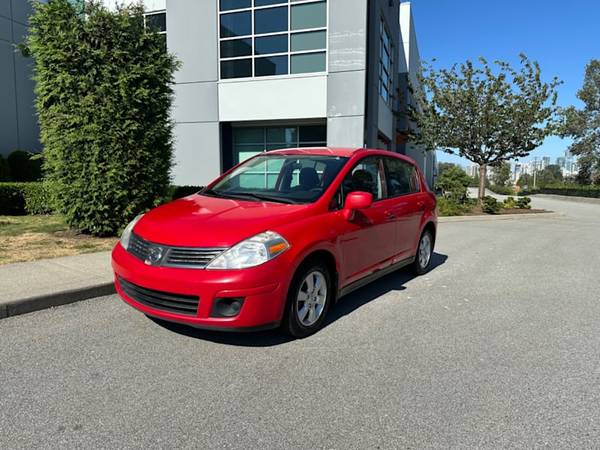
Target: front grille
x,y
138,247
195,257
165,301
183,257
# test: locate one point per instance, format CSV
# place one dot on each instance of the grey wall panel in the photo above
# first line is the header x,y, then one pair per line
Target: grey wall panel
x,y
347,35
21,9
196,102
197,156
28,124
346,94
192,36
19,33
5,29
5,8
345,131
8,117
385,120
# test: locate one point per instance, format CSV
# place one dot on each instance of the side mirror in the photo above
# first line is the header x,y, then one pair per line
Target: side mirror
x,y
356,200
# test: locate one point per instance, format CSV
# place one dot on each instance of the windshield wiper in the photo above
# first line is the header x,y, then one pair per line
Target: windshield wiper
x,y
269,198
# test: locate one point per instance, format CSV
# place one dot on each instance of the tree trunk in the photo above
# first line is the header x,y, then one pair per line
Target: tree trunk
x,y
482,180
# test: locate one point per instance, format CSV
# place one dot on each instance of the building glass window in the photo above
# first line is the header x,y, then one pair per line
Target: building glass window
x,y
386,63
157,21
249,141
279,36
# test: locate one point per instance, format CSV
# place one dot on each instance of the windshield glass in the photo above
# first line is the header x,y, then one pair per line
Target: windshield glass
x,y
280,178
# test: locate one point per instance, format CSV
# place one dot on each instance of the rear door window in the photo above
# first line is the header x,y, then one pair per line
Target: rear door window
x,y
401,177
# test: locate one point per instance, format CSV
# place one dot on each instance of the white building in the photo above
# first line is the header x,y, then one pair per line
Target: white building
x,y
264,74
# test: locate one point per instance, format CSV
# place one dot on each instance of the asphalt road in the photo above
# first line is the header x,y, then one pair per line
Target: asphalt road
x,y
498,346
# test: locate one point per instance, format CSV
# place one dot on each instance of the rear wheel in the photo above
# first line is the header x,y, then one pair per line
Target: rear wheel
x,y
424,253
308,300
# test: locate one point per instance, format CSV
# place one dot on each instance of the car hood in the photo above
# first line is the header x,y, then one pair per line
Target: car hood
x,y
202,221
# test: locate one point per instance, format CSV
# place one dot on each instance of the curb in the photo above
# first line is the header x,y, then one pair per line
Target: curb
x,y
491,217
31,304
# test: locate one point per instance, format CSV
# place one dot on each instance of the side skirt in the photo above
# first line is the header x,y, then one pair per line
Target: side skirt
x,y
374,276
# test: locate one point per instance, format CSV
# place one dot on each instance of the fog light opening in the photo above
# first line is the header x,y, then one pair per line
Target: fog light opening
x,y
227,307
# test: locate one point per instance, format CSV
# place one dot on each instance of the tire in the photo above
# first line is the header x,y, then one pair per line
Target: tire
x,y
307,307
422,262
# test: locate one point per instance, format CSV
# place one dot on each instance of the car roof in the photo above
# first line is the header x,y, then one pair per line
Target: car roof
x,y
337,151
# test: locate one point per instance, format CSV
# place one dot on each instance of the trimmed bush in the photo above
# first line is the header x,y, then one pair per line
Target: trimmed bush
x,y
490,205
450,207
524,203
104,86
509,203
24,166
17,199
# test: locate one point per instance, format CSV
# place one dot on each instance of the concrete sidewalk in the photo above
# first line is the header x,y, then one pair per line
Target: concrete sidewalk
x,y
30,286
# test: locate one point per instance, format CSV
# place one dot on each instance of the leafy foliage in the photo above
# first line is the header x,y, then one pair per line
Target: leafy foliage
x,y
501,175
450,207
509,203
24,166
550,175
524,203
25,198
583,125
502,190
484,115
490,205
103,86
571,190
453,182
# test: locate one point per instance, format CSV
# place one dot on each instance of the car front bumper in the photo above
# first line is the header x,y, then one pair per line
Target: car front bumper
x,y
262,288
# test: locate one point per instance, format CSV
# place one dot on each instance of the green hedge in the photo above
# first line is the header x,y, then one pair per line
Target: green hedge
x,y
576,191
502,190
25,198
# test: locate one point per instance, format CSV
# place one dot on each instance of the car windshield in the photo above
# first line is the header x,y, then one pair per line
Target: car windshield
x,y
280,178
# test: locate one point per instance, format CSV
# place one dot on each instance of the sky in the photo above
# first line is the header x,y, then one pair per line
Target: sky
x,y
561,35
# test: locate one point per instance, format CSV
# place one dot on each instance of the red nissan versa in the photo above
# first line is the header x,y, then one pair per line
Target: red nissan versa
x,y
278,239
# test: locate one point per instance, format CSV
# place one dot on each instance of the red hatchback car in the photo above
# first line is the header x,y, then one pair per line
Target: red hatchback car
x,y
278,239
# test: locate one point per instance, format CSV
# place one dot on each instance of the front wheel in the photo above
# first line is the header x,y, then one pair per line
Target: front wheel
x,y
308,300
424,253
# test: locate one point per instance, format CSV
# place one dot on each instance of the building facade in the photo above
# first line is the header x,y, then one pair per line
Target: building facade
x,y
18,123
259,75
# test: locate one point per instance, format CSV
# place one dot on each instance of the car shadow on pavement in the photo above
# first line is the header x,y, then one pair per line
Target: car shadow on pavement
x,y
394,281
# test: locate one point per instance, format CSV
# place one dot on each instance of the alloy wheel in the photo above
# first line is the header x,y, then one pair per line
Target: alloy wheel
x,y
311,298
425,250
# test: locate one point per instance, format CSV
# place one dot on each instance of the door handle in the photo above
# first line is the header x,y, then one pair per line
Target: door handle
x,y
421,205
390,215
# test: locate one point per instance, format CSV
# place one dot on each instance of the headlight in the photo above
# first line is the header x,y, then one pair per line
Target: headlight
x,y
252,252
127,232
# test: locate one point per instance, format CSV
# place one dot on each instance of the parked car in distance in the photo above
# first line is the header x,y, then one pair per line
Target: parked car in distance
x,y
278,239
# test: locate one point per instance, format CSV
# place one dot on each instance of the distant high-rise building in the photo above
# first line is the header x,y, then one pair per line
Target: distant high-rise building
x,y
560,162
545,162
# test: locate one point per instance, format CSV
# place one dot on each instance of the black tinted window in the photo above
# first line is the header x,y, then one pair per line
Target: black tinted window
x,y
366,177
401,177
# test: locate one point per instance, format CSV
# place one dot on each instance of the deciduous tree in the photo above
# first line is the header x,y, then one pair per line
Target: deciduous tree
x,y
487,114
583,125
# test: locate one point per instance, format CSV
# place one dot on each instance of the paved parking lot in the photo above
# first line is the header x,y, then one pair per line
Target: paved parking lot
x,y
498,346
